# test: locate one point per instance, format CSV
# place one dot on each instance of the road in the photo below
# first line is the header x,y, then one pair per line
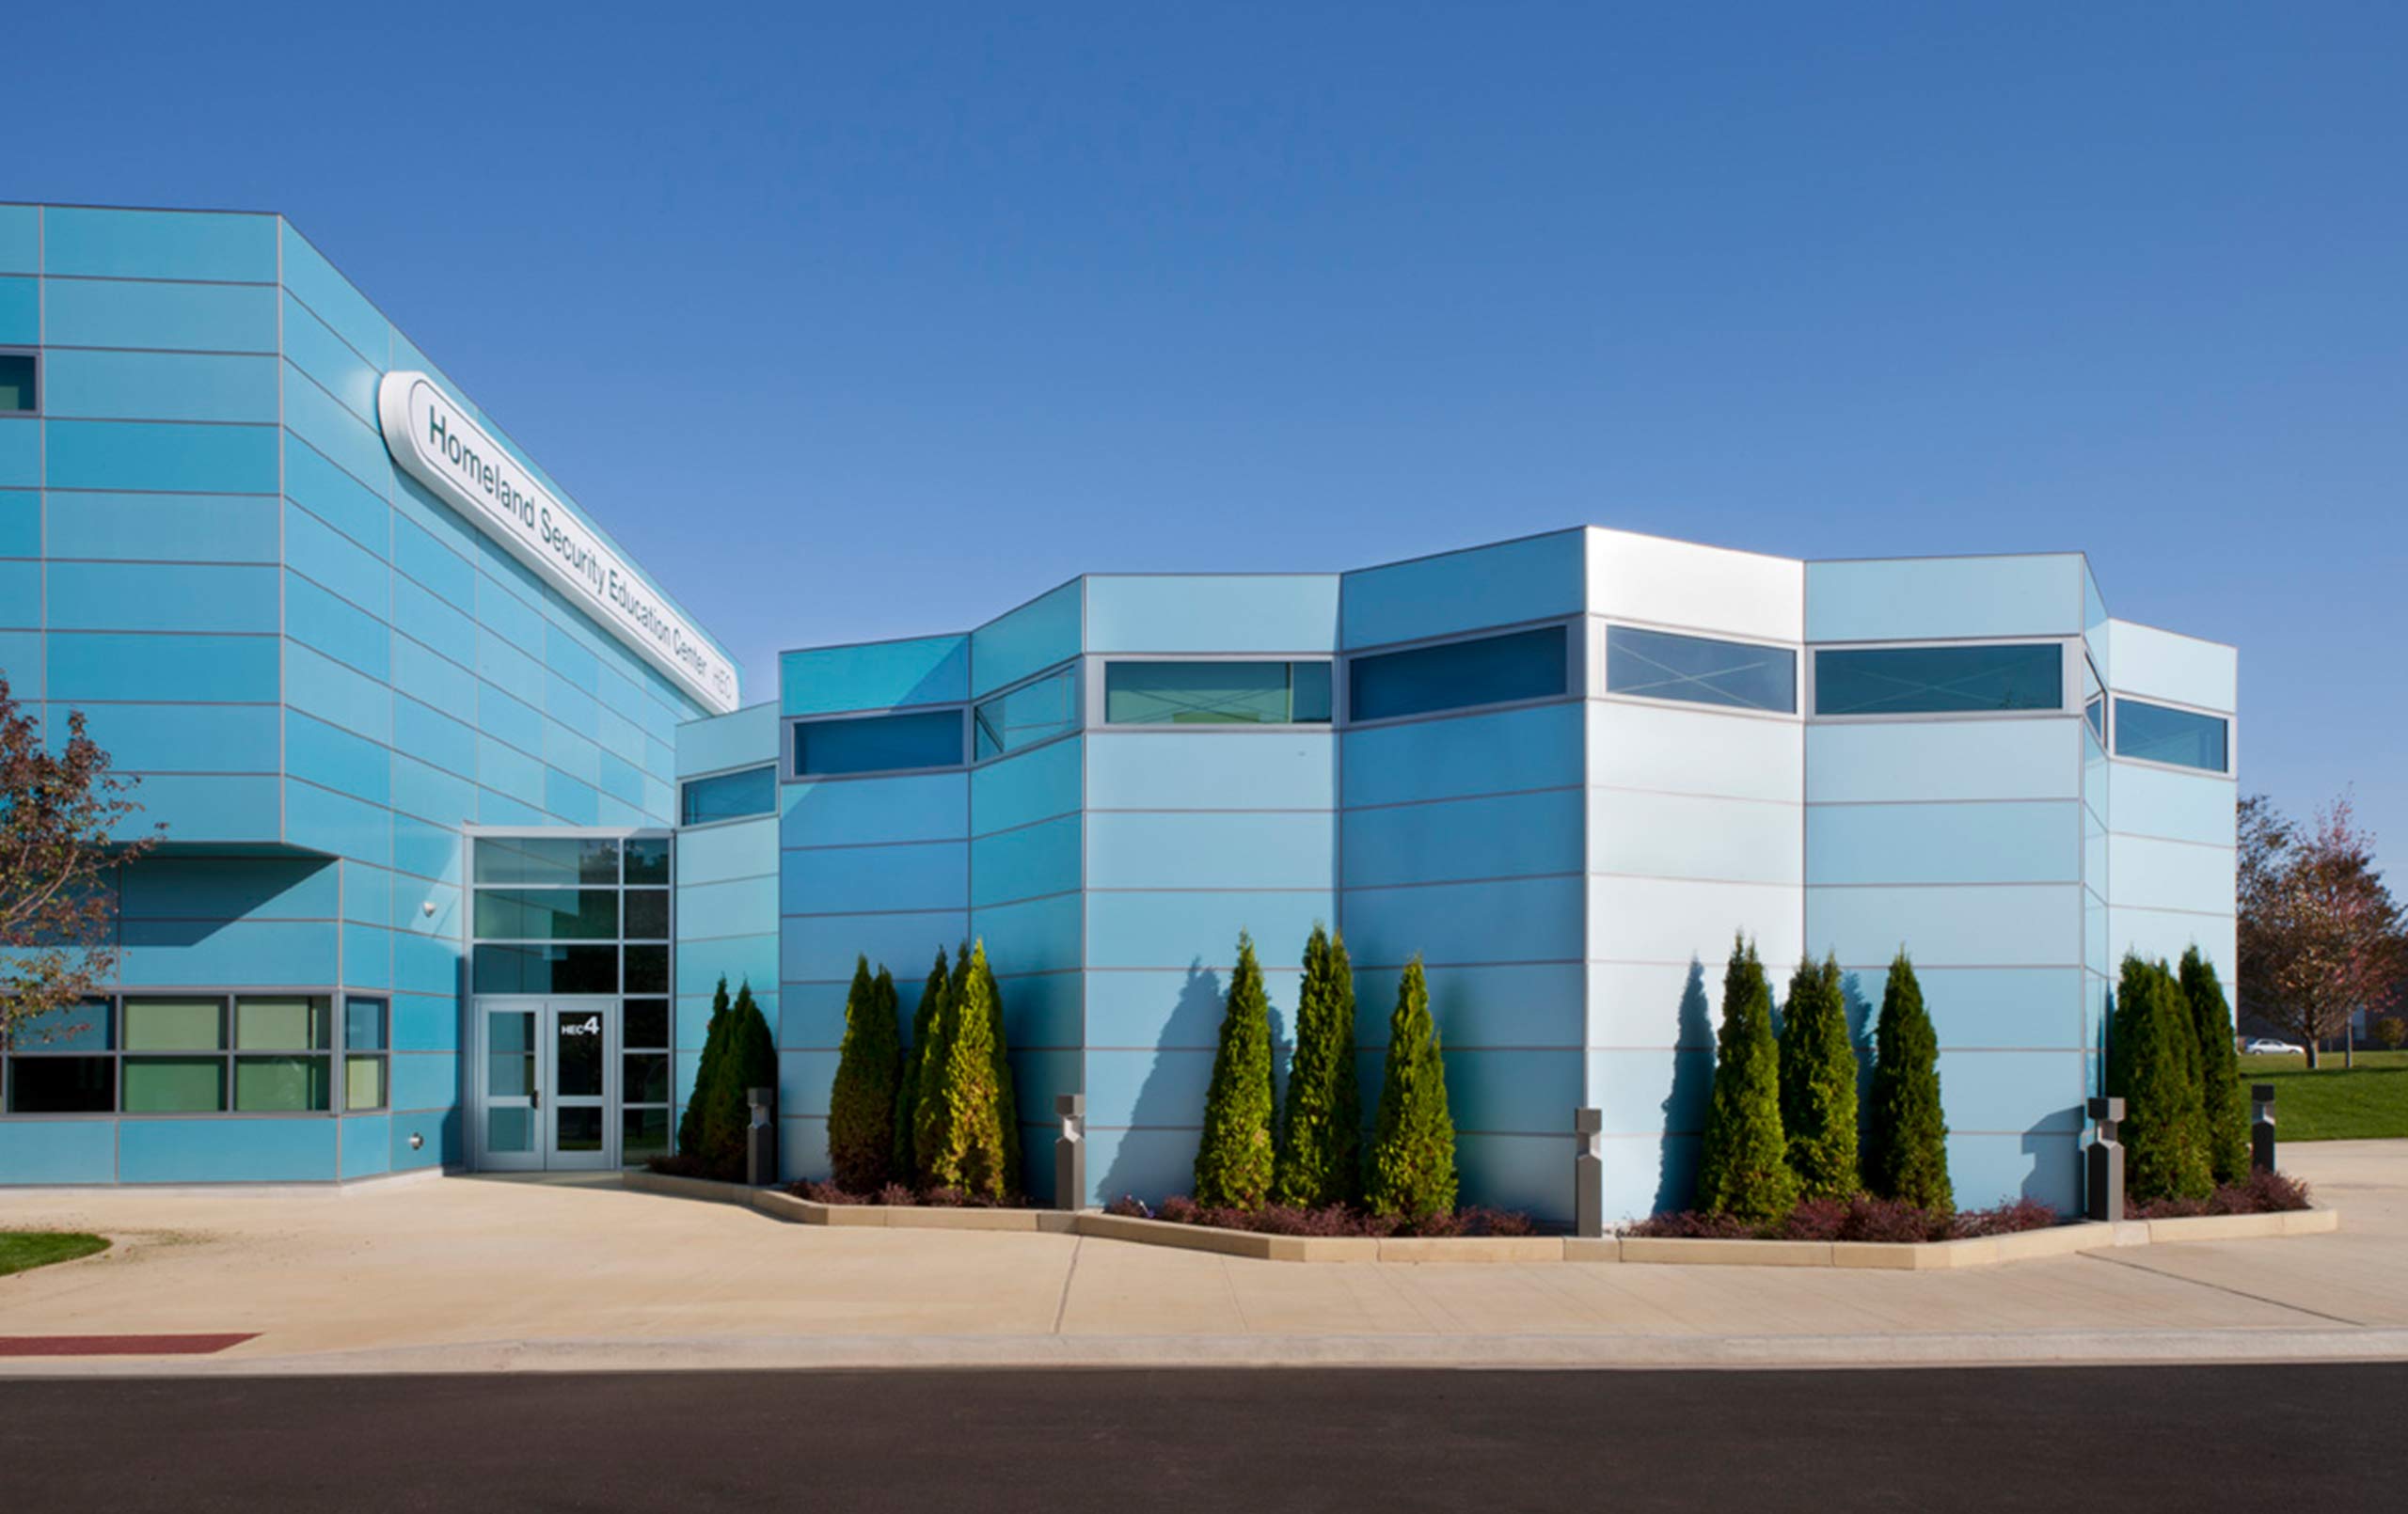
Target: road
x,y
1958,1440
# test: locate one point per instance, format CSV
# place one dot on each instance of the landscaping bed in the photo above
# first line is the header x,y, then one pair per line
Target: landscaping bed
x,y
1333,1222
21,1250
896,1196
1861,1218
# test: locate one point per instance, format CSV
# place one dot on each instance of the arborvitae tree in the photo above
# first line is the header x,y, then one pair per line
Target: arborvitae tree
x,y
2220,1091
1906,1155
1233,1155
2151,1050
1744,1167
860,1104
1320,1128
907,1091
1818,1084
960,1138
1412,1169
748,1060
690,1125
1007,1108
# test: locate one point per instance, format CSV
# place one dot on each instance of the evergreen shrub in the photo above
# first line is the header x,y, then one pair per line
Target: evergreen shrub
x,y
1743,1167
1233,1154
1906,1155
1818,1115
1412,1170
1319,1158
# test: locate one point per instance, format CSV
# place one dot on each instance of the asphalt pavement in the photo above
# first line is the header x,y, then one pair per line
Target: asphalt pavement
x,y
2124,1439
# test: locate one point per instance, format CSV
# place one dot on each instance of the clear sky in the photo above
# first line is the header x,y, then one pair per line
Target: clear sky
x,y
851,325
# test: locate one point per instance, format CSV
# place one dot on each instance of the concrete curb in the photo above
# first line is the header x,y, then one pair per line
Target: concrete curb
x,y
1986,1251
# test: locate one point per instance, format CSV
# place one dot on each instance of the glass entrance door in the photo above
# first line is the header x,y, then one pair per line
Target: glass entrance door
x,y
549,1084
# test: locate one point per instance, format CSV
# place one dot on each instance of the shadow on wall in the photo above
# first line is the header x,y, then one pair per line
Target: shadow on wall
x,y
1692,1088
162,915
2054,1177
1859,1037
1165,1099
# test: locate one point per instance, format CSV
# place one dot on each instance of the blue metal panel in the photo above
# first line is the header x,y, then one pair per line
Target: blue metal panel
x,y
2148,801
504,718
1527,580
741,851
21,594
1220,770
21,452
20,312
813,1012
1150,1164
804,1079
208,245
574,661
821,948
1179,1006
1164,1089
510,773
2167,874
1037,784
367,892
1649,1091
747,736
1932,598
425,1079
2039,841
201,808
427,964
510,669
1033,936
745,906
20,238
332,298
1993,758
1993,1008
437,1132
320,359
1229,612
433,736
1208,850
802,1147
164,667
744,959
268,953
436,684
424,1022
186,738
299,1150
21,663
1505,752
1995,1169
164,528
367,956
875,675
325,821
107,454
334,693
335,759
159,385
1025,640
2013,1093
1518,1090
1532,1174
207,887
1040,1009
1026,864
1526,920
1166,929
2033,926
220,317
571,754
58,1151
367,1146
20,527
340,630
333,560
1531,1003
436,566
1507,836
854,880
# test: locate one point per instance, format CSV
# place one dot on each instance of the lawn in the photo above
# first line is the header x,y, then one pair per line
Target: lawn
x,y
21,1250
2367,1102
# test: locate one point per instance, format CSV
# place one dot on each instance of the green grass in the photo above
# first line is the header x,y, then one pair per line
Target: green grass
x,y
2367,1102
21,1250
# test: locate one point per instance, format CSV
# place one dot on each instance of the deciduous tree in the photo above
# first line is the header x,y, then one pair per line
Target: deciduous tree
x,y
2320,936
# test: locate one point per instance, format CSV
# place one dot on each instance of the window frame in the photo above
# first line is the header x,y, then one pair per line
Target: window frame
x,y
788,754
2068,679
1575,672
1603,654
1069,671
1097,691
688,779
335,1054
42,382
2116,697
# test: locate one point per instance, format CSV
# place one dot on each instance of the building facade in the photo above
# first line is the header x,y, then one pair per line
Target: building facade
x,y
467,817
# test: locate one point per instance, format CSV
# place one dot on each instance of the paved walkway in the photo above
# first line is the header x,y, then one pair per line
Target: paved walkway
x,y
491,1274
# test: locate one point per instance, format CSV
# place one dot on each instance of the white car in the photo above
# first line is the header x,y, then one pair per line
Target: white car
x,y
2263,1047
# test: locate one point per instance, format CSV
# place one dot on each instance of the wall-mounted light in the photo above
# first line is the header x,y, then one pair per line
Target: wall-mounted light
x,y
416,1140
427,907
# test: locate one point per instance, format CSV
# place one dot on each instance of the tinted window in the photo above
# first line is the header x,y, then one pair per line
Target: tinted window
x,y
2155,733
547,969
1215,693
878,744
755,791
1525,665
1028,715
547,860
1938,680
1698,670
17,396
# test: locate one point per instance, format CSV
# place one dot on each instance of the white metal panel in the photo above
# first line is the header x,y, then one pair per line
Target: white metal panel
x,y
1707,589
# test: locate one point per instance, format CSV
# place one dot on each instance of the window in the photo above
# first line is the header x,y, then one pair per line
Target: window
x,y
1216,693
544,969
729,796
1496,670
547,914
2096,713
2156,734
1695,670
20,384
878,744
187,1084
365,1029
1961,680
643,1081
547,860
287,1069
59,1063
1028,715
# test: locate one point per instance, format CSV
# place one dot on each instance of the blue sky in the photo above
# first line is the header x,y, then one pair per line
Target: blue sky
x,y
874,323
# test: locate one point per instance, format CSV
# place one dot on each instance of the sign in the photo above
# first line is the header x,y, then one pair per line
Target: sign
x,y
438,445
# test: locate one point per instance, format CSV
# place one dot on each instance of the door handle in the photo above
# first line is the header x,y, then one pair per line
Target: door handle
x,y
535,1098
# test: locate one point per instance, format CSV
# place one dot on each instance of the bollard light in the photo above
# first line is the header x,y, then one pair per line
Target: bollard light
x,y
2103,1194
761,1138
2261,1128
1588,1173
1070,1152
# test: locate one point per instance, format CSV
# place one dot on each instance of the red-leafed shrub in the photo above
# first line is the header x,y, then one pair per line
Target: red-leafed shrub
x,y
1333,1220
2261,1193
1858,1217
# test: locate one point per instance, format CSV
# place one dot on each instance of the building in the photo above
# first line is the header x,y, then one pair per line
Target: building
x,y
1565,769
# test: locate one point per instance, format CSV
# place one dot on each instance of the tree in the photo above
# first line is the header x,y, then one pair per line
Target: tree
x,y
1008,1086
2320,937
707,1068
860,1104
1906,1156
2220,1095
907,1091
2165,1129
960,1138
1233,1154
59,855
1818,1084
1319,1158
1413,1141
748,1060
1743,1169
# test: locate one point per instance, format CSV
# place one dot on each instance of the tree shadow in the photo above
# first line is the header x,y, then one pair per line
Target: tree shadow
x,y
1860,1039
1692,1087
1167,1108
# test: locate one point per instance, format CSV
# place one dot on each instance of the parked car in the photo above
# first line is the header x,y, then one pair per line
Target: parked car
x,y
2266,1047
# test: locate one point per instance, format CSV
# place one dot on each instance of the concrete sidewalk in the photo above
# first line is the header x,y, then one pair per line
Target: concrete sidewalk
x,y
499,1274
